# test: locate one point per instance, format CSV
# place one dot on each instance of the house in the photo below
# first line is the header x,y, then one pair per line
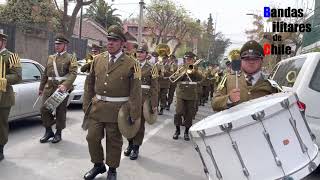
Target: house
x,y
92,31
131,26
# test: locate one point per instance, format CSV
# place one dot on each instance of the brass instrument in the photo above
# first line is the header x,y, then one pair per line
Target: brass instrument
x,y
184,71
163,50
234,54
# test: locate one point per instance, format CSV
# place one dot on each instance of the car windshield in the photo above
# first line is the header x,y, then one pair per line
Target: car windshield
x,y
286,72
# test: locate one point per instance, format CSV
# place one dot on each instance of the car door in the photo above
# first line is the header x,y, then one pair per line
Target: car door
x,y
313,93
28,89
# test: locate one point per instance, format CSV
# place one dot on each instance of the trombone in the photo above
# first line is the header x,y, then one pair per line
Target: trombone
x,y
184,71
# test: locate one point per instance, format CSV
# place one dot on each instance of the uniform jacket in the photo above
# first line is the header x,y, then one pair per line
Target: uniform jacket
x,y
261,88
119,80
188,91
66,66
164,81
150,79
11,69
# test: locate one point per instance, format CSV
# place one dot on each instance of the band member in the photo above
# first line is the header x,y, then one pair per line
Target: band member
x,y
60,72
95,50
149,92
173,68
205,87
186,96
114,81
164,83
10,74
252,83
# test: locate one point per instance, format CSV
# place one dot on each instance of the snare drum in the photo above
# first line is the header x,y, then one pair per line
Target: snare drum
x,y
55,100
265,138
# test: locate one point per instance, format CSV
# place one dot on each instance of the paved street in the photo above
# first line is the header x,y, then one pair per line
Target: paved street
x,y
161,157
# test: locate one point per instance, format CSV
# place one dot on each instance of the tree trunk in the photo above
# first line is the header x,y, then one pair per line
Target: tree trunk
x,y
176,47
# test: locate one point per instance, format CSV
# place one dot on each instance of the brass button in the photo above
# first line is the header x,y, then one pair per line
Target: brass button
x,y
249,92
107,75
104,91
105,83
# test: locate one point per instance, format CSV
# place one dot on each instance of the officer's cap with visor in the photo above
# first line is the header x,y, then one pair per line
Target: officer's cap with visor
x,y
61,39
251,49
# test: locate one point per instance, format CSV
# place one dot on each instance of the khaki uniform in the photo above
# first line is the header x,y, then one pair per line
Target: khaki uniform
x,y
86,68
261,88
172,88
66,67
205,86
149,91
187,96
10,74
117,81
164,84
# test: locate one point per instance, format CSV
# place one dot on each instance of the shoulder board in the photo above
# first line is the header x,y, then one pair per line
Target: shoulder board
x,y
154,72
14,60
137,71
222,82
73,60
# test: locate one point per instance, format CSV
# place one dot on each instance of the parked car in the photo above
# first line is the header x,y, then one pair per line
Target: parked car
x,y
301,74
26,92
76,96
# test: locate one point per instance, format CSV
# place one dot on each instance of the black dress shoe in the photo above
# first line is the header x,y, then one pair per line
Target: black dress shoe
x,y
57,137
47,135
97,169
161,111
134,153
1,156
168,107
127,152
112,175
1,153
176,135
186,137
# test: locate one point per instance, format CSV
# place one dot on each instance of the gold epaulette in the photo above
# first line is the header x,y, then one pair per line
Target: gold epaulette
x,y
222,82
14,60
154,72
73,60
137,71
3,80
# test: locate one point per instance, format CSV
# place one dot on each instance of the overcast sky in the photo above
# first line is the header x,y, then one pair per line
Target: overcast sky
x,y
230,15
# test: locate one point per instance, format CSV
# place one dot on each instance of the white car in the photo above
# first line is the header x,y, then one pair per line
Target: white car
x,y
26,92
301,74
76,96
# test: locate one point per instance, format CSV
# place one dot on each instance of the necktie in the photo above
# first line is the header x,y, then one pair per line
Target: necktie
x,y
111,61
249,80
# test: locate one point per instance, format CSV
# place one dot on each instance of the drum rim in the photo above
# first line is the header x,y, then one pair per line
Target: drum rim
x,y
199,126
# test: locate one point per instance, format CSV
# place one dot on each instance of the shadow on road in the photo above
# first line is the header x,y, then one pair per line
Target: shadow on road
x,y
24,123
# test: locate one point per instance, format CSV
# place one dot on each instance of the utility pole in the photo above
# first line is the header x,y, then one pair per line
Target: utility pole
x,y
80,28
140,27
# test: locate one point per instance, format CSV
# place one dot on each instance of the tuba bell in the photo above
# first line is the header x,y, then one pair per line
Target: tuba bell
x,y
163,50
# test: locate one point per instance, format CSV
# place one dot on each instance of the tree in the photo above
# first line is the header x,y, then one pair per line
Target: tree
x,y
29,12
171,22
68,22
103,14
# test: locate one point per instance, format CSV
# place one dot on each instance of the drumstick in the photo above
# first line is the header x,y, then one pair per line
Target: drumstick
x,y
36,101
237,84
